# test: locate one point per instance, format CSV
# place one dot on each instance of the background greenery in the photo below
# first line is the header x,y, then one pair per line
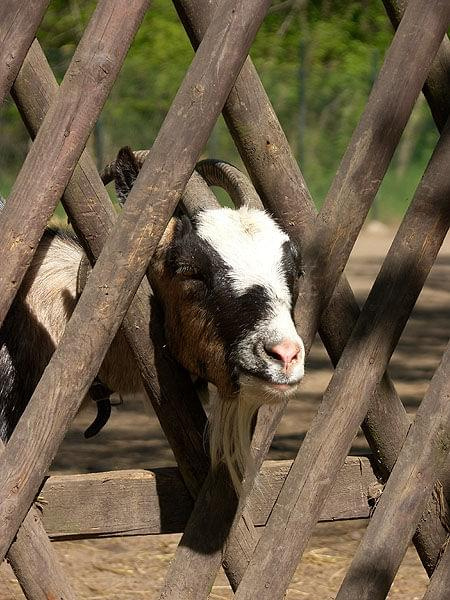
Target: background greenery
x,y
317,59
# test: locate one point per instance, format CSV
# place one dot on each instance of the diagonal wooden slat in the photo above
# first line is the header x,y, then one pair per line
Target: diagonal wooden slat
x,y
272,167
35,562
405,496
350,391
440,580
169,388
436,89
93,216
19,22
124,258
61,139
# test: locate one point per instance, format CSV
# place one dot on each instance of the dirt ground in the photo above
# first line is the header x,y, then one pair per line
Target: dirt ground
x,y
134,568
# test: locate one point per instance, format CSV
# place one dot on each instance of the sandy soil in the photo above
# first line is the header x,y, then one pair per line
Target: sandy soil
x,y
129,568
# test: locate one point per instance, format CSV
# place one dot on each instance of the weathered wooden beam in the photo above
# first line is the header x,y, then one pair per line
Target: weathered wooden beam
x,y
275,174
168,386
440,580
62,137
19,22
354,381
137,502
387,424
405,496
35,562
437,85
124,259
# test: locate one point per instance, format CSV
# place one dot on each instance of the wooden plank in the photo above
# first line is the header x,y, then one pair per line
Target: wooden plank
x,y
124,258
440,580
351,389
138,502
62,137
405,496
19,22
275,174
35,562
386,424
437,85
168,386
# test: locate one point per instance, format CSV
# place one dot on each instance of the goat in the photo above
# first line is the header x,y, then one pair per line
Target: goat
x,y
227,283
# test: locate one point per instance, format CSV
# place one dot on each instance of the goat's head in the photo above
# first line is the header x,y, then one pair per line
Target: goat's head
x,y
227,282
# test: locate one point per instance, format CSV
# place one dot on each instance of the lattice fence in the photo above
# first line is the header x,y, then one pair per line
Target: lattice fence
x,y
217,528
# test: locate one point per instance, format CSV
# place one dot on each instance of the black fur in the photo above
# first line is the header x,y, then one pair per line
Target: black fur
x,y
127,170
234,315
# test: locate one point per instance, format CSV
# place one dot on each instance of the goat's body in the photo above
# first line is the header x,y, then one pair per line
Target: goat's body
x,y
35,325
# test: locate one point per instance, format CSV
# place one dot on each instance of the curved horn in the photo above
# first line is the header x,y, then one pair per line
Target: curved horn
x,y
233,181
197,194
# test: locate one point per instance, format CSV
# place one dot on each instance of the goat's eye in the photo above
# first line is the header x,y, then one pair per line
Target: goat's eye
x,y
189,272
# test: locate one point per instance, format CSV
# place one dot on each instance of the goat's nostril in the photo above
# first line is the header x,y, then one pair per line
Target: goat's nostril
x,y
286,352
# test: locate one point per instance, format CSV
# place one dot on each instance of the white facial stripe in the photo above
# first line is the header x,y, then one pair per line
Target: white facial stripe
x,y
281,327
250,243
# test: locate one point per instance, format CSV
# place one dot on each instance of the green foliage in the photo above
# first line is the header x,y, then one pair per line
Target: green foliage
x,y
317,59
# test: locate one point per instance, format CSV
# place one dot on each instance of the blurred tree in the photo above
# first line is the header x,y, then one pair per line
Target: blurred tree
x,y
317,60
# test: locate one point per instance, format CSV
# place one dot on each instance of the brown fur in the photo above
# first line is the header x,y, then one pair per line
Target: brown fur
x,y
190,333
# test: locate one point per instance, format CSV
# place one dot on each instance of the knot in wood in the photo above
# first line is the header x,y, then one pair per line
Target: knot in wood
x,y
199,89
101,67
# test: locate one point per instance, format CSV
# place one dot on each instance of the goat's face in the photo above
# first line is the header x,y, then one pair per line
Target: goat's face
x,y
227,283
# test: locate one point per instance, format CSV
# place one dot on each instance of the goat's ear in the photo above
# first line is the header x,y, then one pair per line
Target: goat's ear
x,y
127,170
183,227
179,244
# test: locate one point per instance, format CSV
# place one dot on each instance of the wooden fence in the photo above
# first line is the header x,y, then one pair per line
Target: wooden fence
x,y
322,483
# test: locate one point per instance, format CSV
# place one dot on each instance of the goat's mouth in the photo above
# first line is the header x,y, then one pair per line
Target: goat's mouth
x,y
273,389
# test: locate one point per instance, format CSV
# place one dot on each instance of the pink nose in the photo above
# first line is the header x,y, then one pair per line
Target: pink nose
x,y
286,351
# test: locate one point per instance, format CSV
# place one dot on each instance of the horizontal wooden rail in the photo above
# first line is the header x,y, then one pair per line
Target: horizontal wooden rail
x,y
124,259
137,502
19,22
